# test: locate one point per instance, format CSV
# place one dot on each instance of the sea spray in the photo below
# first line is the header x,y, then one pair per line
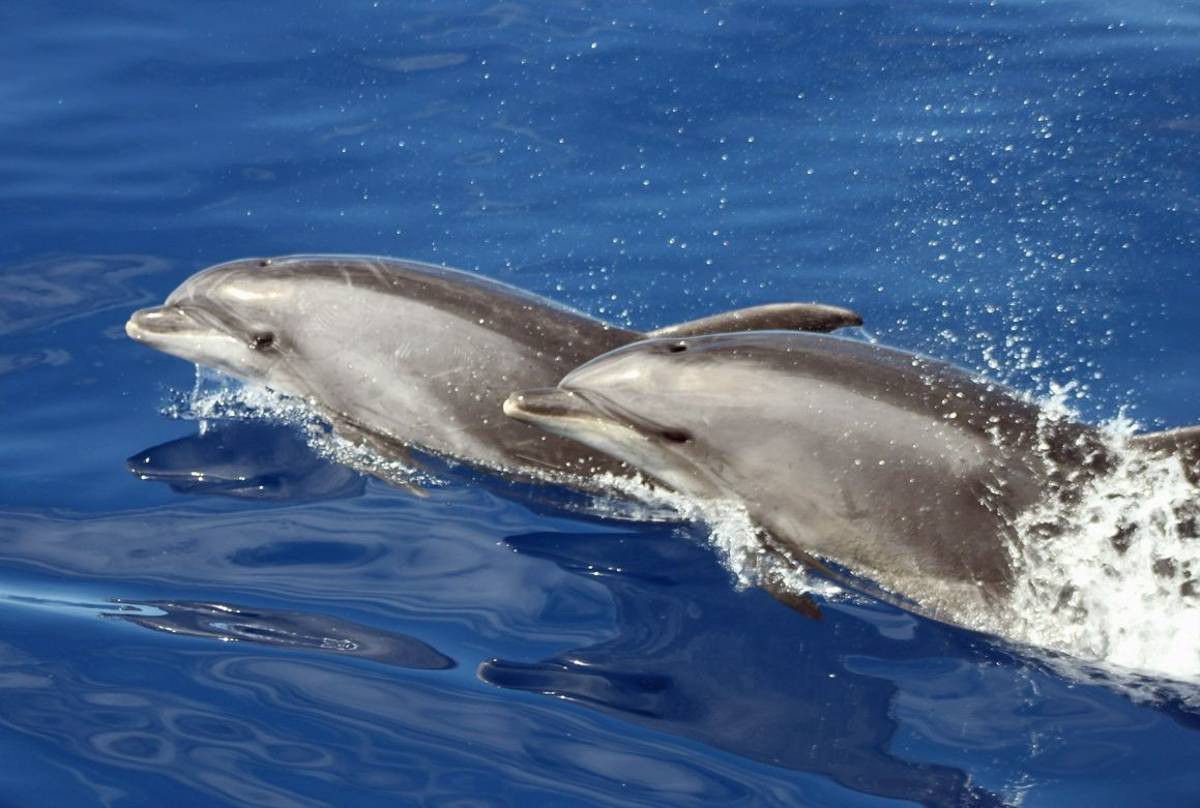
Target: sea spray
x,y
1115,577
216,396
1106,567
732,534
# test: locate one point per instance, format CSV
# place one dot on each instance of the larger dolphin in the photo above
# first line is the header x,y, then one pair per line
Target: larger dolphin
x,y
898,468
402,353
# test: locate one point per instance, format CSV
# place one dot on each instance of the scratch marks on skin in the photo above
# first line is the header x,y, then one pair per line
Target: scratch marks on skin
x,y
381,277
403,351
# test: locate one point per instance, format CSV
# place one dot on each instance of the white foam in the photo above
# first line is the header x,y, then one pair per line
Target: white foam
x,y
1077,592
1109,588
731,532
215,396
1110,582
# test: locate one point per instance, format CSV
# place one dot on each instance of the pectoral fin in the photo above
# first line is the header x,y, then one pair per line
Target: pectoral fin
x,y
771,317
385,448
804,604
792,556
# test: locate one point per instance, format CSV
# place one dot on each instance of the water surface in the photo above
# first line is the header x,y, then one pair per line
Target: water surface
x,y
1011,186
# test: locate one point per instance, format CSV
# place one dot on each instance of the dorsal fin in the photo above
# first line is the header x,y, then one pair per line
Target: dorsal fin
x,y
771,317
1183,443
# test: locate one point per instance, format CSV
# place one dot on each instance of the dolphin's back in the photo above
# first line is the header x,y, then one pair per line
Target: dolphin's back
x,y
518,315
910,382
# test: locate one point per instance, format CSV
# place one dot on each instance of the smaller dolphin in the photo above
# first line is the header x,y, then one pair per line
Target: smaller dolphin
x,y
402,354
898,468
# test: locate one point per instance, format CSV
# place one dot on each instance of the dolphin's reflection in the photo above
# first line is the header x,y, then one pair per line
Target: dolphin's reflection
x,y
684,663
249,460
282,628
272,461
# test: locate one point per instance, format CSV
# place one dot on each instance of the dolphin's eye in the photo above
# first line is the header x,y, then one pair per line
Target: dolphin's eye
x,y
678,347
676,435
260,342
265,262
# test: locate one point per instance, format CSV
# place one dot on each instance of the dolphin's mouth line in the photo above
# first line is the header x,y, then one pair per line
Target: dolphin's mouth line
x,y
561,404
176,320
554,408
618,414
564,404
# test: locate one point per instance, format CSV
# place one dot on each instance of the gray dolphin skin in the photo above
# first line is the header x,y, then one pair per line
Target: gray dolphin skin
x,y
399,353
901,469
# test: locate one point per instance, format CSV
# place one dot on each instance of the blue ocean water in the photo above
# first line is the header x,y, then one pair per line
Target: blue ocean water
x,y
1013,186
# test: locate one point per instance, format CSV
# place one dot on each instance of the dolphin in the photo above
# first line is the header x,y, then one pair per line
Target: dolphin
x,y
885,470
402,354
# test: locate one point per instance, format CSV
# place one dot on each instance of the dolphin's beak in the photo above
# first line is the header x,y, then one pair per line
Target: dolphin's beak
x,y
146,324
547,404
167,324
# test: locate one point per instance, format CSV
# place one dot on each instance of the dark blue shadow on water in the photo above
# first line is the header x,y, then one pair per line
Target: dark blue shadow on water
x,y
684,663
229,623
247,460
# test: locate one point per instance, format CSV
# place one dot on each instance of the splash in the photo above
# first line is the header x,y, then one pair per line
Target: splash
x,y
215,396
1112,591
737,541
1117,577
